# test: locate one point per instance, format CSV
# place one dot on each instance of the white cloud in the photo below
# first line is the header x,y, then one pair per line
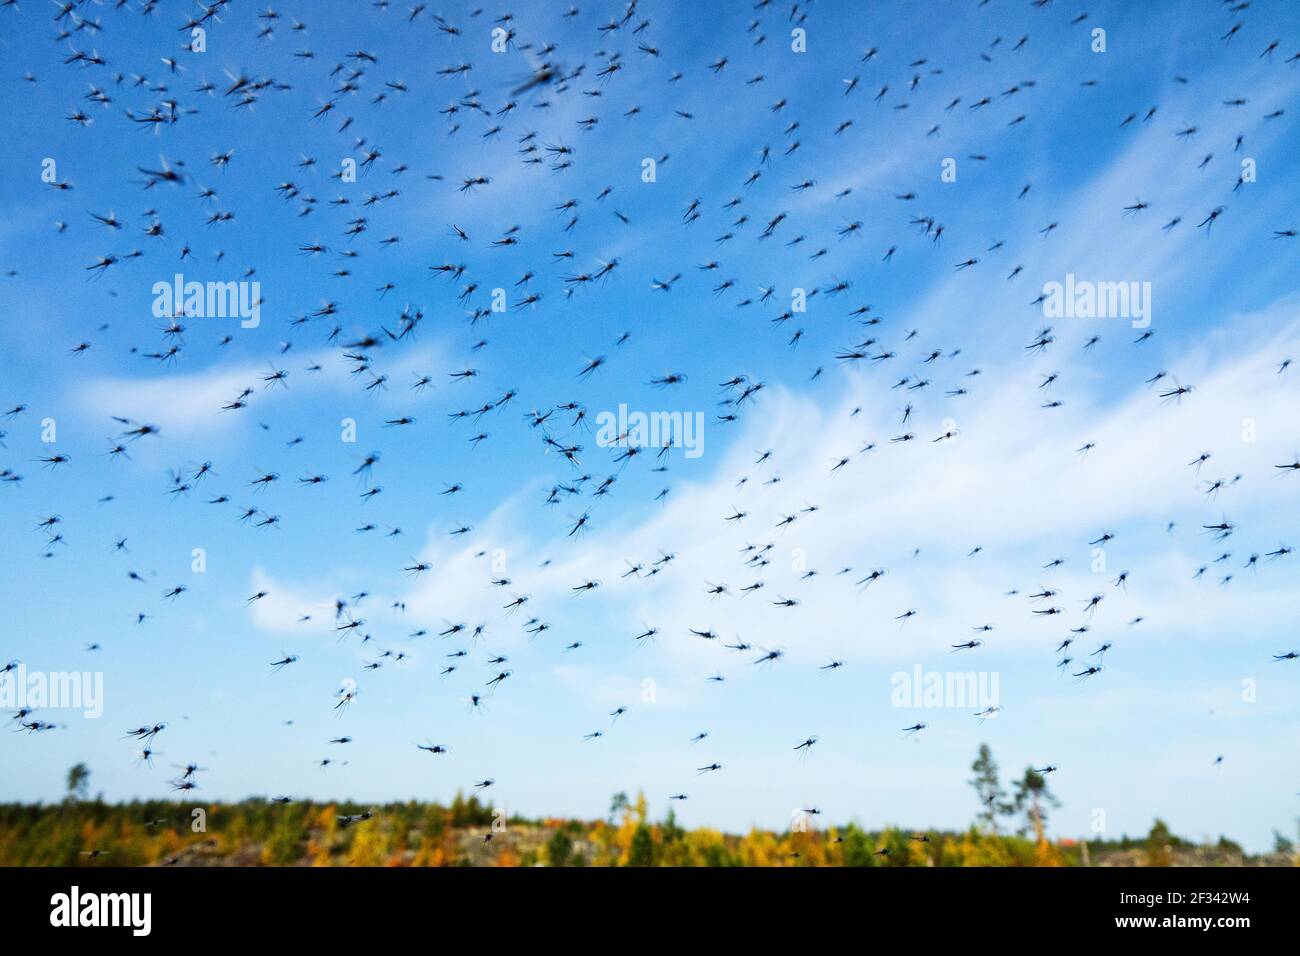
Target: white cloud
x,y
1011,482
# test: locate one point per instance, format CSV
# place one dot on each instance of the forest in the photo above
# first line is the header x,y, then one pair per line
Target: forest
x,y
1010,829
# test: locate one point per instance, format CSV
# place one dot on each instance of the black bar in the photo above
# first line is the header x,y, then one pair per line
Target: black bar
x,y
305,905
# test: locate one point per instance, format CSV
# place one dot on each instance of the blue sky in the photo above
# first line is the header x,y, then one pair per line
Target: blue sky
x,y
1136,741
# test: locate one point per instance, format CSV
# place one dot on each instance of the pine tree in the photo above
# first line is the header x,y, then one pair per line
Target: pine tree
x,y
1032,798
993,799
559,848
78,782
642,851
